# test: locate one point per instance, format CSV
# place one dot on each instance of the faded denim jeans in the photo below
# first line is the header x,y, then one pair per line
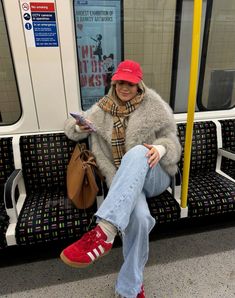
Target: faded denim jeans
x,y
126,208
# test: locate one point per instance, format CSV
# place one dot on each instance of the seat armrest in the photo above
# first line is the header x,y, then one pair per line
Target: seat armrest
x,y
9,194
227,153
102,191
178,178
176,185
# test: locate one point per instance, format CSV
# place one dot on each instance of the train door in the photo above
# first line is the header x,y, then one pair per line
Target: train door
x,y
17,103
33,31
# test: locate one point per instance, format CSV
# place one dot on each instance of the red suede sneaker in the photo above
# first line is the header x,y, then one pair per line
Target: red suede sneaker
x,y
141,294
86,250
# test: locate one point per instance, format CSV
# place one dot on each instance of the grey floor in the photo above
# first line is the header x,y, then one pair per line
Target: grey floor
x,y
198,264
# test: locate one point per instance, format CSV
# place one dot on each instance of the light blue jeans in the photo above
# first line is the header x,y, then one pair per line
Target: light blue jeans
x,y
126,208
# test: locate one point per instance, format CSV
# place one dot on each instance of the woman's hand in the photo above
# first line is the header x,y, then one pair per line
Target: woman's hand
x,y
153,155
83,126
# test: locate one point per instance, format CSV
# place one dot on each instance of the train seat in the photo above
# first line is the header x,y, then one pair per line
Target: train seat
x,y
228,143
164,208
6,168
209,192
47,214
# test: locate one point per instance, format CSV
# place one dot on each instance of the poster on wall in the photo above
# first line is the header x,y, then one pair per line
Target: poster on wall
x,y
99,44
39,21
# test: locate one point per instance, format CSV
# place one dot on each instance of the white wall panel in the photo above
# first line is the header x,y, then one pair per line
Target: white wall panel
x,y
68,53
48,86
47,79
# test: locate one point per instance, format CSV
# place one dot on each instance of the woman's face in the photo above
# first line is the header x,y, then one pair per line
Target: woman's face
x,y
126,90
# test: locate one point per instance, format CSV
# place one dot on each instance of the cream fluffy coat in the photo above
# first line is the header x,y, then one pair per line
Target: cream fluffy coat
x,y
152,123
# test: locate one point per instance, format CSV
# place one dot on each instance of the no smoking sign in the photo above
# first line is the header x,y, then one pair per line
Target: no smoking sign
x,y
25,6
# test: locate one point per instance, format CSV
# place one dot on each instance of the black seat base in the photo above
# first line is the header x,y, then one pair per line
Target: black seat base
x,y
210,194
50,216
164,208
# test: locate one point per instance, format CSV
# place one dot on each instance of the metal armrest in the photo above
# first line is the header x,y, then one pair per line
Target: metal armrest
x,y
102,191
226,153
9,194
176,185
178,178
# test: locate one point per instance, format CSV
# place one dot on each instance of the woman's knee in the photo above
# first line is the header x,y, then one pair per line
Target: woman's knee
x,y
138,151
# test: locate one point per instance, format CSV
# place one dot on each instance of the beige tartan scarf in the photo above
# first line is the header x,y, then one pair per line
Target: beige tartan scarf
x,y
119,114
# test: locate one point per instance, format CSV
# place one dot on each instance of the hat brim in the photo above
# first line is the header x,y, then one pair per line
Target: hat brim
x,y
126,77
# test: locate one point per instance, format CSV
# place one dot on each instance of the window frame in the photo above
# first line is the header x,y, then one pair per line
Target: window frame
x,y
77,54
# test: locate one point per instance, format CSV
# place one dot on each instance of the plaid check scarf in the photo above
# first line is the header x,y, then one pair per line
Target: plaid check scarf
x,y
119,114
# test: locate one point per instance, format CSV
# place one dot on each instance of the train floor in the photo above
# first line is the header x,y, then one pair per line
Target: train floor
x,y
190,260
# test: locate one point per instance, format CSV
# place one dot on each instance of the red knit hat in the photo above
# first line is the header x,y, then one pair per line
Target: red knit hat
x,y
129,71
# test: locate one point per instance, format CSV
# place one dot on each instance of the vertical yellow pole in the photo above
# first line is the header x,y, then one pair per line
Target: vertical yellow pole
x,y
197,11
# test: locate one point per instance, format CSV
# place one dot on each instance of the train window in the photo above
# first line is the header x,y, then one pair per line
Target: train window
x,y
10,107
109,31
217,59
182,53
216,85
149,39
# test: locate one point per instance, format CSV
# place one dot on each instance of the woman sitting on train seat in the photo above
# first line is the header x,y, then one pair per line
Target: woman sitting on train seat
x,y
137,150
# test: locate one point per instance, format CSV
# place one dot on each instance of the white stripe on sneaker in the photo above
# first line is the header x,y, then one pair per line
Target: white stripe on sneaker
x,y
96,252
101,249
91,256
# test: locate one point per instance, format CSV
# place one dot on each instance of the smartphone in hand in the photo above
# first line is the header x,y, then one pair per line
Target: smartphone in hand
x,y
83,121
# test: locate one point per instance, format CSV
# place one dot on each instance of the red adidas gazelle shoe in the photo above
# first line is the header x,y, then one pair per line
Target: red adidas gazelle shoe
x,y
88,249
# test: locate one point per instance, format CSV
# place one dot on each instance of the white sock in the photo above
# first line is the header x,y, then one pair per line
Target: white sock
x,y
109,229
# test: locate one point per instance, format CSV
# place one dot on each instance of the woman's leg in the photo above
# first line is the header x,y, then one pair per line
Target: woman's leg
x,y
124,194
126,208
135,249
133,176
125,188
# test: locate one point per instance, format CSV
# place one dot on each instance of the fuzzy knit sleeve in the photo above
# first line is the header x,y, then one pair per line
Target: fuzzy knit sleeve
x,y
73,131
173,149
167,137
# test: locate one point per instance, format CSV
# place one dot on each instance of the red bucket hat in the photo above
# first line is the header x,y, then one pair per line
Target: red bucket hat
x,y
129,71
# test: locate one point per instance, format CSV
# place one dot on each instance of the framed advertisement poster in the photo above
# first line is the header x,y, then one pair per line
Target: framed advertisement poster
x,y
99,46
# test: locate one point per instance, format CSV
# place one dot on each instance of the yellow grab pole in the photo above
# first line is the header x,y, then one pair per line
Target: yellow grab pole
x,y
197,11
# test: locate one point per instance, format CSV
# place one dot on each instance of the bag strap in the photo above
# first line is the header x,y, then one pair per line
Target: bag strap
x,y
87,154
91,163
97,170
91,160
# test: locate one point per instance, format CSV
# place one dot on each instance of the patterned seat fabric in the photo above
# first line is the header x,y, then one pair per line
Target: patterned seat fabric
x,y
164,208
228,140
47,214
209,193
6,168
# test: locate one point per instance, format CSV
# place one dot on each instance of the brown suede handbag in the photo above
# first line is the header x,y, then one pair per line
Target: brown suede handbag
x,y
81,182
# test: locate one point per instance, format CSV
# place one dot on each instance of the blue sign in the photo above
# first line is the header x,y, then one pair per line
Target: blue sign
x,y
45,34
43,16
